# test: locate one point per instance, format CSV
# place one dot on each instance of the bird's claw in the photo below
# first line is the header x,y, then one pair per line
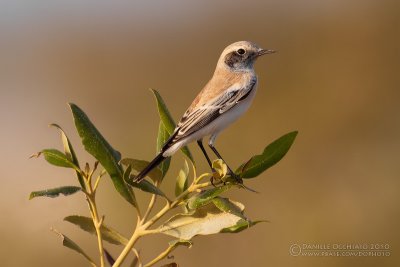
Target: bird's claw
x,y
236,177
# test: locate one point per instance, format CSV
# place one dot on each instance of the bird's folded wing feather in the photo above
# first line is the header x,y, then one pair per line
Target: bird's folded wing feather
x,y
195,119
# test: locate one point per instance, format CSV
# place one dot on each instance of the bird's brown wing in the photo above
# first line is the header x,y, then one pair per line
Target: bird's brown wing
x,y
193,120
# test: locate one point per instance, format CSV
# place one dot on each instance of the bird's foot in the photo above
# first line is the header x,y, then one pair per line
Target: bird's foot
x,y
235,177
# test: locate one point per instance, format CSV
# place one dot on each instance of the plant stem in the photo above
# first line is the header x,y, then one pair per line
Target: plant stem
x,y
97,224
160,257
141,229
128,247
151,205
172,205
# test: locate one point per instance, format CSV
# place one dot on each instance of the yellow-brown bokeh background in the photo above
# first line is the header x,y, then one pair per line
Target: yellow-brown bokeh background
x,y
335,80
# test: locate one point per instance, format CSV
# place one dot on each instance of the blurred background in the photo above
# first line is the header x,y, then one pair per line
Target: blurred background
x,y
335,80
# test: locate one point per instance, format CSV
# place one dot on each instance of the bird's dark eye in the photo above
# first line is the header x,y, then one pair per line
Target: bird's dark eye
x,y
241,51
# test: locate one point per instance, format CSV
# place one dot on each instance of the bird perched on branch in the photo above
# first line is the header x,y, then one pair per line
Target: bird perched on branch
x,y
224,99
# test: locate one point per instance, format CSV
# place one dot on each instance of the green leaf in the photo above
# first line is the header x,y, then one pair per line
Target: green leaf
x,y
99,148
147,186
206,220
272,154
109,234
206,196
162,137
67,242
144,185
240,226
168,121
138,165
180,242
56,158
70,153
55,192
227,205
182,180
127,173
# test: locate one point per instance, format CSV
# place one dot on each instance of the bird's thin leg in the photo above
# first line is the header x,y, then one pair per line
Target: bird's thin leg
x,y
200,143
231,173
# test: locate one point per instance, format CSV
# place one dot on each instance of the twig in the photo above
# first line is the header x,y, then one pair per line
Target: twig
x,y
151,205
141,228
160,257
97,222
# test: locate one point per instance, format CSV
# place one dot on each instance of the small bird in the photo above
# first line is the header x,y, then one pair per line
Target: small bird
x,y
224,99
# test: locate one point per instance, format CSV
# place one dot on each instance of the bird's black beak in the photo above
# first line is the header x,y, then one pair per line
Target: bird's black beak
x,y
265,51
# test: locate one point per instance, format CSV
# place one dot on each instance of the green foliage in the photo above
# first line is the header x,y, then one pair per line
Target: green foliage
x,y
55,192
144,185
109,234
206,196
271,155
240,226
205,220
182,180
207,212
148,187
168,121
99,148
70,153
56,158
162,137
67,242
138,165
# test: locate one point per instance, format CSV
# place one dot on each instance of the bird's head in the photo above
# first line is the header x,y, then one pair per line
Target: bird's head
x,y
240,56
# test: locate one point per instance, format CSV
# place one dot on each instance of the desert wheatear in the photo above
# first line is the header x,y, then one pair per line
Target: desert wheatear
x,y
224,99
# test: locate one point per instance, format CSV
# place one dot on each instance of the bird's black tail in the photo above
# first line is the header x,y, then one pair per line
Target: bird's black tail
x,y
154,163
158,159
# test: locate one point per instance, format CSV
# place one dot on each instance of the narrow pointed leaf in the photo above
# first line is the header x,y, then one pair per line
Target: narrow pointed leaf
x,y
180,242
67,242
57,158
138,165
147,186
127,173
168,121
162,137
182,180
144,185
109,234
55,192
99,148
240,226
206,220
206,196
70,153
271,155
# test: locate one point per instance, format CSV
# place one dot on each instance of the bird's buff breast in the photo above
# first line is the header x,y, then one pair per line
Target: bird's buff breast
x,y
232,115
